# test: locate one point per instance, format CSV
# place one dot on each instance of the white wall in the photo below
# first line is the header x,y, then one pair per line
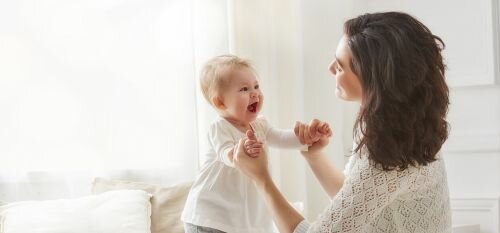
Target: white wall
x,y
322,23
472,156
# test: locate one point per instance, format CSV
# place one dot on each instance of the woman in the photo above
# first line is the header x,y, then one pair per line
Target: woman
x,y
395,181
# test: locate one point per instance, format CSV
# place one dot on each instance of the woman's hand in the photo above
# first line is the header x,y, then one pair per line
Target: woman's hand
x,y
254,167
315,134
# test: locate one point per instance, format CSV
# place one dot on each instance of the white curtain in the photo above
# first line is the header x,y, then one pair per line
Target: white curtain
x,y
291,42
102,88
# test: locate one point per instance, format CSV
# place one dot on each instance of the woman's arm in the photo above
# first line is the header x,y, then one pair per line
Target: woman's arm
x,y
284,215
330,178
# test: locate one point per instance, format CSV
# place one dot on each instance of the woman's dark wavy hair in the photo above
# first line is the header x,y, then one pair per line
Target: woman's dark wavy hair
x,y
398,60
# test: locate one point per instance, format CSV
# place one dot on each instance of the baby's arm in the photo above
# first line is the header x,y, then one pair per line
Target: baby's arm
x,y
222,142
225,151
288,140
284,139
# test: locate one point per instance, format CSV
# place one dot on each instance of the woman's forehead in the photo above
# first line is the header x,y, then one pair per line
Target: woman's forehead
x,y
343,53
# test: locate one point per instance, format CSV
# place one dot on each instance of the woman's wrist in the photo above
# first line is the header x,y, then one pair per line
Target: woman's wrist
x,y
312,157
263,181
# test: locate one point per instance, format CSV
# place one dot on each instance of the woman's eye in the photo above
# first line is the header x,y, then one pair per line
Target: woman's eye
x,y
338,69
244,89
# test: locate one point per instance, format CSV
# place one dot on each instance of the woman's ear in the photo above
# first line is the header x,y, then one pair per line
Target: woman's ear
x,y
218,103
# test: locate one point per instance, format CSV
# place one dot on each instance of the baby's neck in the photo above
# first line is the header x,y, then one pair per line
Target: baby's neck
x,y
241,126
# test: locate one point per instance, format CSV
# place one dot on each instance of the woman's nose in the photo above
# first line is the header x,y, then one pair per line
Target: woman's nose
x,y
331,67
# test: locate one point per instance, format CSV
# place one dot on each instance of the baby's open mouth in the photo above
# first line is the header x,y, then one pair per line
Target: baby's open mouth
x,y
253,107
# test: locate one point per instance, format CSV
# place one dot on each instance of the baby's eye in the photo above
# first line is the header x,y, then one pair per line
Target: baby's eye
x,y
256,87
338,69
244,89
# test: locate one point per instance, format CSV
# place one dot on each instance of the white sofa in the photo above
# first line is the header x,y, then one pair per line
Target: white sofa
x,y
164,210
90,208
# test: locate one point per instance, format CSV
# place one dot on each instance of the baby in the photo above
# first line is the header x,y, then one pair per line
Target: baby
x,y
222,199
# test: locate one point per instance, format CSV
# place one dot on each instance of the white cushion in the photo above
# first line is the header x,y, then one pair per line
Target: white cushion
x,y
124,211
166,204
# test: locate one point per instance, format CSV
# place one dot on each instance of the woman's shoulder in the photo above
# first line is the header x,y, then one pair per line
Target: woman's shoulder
x,y
433,172
360,163
411,179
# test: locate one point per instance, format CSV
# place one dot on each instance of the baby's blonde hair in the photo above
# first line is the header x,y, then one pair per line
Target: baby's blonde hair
x,y
215,74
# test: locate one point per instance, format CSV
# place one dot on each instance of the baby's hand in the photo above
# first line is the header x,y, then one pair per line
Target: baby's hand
x,y
312,132
324,130
315,134
251,145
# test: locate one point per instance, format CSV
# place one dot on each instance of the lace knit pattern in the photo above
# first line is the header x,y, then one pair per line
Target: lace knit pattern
x,y
372,200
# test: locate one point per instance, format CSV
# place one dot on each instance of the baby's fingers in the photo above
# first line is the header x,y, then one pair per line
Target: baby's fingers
x,y
325,129
251,142
254,152
254,146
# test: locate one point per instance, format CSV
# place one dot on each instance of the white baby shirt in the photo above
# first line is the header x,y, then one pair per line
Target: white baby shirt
x,y
222,197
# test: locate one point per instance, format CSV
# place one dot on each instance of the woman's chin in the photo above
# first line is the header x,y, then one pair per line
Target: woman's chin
x,y
339,94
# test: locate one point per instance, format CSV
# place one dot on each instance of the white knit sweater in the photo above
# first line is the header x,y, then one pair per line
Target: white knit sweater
x,y
372,200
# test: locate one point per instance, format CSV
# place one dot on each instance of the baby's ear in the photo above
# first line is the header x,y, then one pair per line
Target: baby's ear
x,y
218,103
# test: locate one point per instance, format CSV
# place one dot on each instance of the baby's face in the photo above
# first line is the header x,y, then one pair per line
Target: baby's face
x,y
243,97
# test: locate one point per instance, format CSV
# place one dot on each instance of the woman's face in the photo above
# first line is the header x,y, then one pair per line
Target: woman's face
x,y
348,86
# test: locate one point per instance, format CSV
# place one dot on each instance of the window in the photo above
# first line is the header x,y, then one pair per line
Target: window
x,y
105,84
